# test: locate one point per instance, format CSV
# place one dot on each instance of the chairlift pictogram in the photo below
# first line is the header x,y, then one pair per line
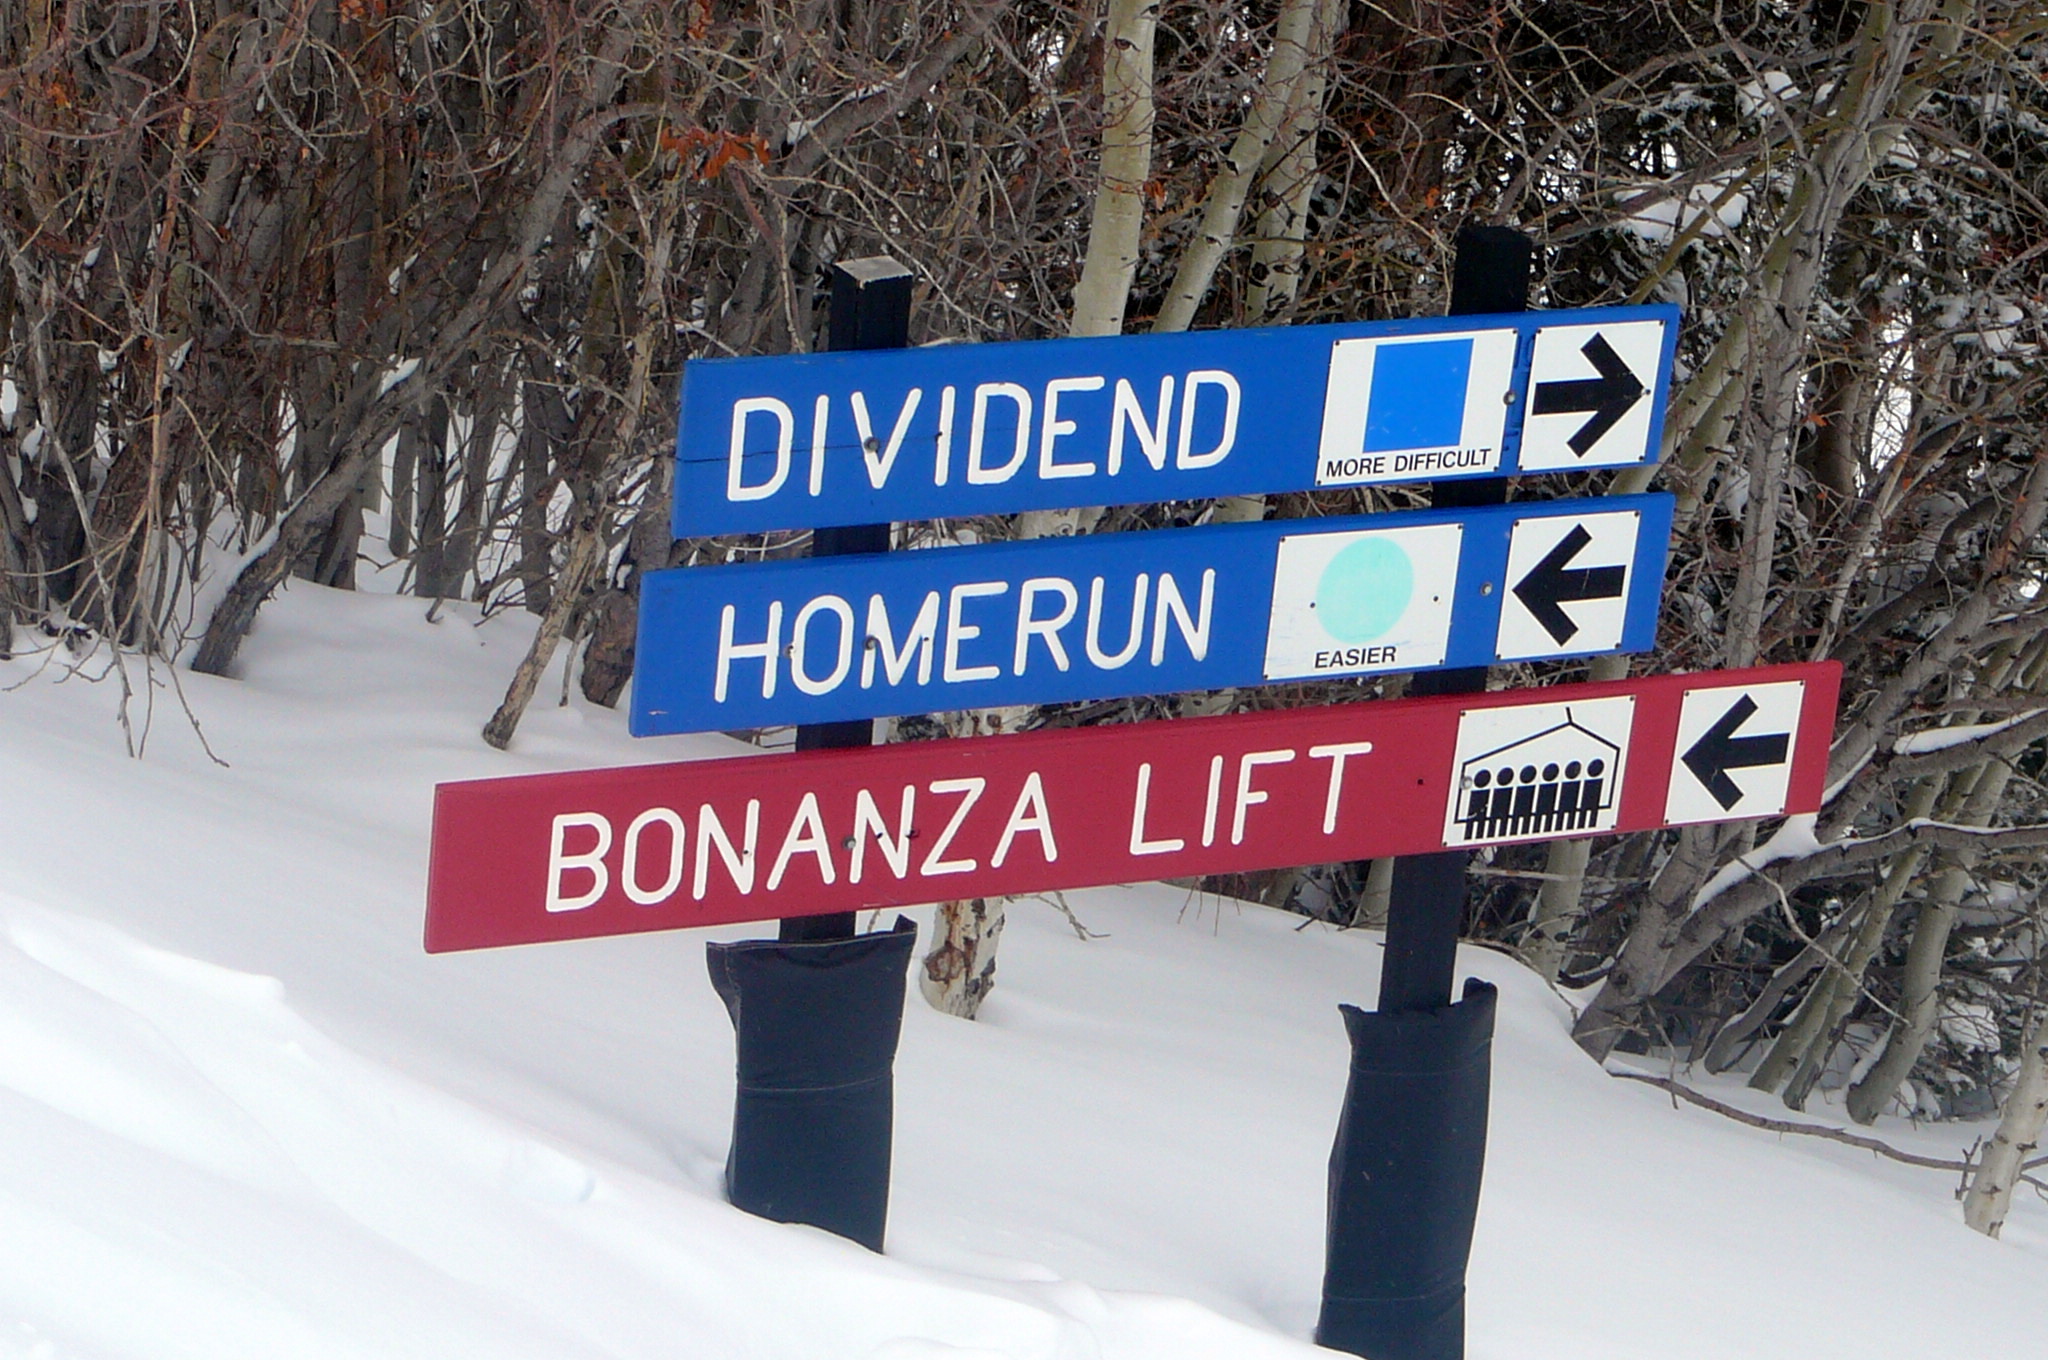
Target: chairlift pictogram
x,y
1551,782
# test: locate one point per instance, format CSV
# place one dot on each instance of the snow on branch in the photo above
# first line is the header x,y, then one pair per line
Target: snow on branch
x,y
1815,859
1940,750
1794,840
1942,738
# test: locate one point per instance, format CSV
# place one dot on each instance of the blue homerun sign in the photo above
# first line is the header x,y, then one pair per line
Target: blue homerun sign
x,y
1102,616
869,437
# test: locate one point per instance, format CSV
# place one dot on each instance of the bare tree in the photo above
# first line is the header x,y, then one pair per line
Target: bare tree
x,y
289,288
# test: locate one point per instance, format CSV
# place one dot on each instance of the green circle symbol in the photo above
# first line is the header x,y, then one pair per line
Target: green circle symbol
x,y
1364,590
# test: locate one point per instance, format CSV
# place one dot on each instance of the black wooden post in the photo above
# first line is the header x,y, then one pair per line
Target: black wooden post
x,y
1411,1141
870,310
1426,900
816,1012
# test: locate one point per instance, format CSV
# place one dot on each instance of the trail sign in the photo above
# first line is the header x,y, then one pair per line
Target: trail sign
x,y
605,852
953,430
1145,613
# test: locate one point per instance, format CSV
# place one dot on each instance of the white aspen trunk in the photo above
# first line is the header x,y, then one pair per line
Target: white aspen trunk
x,y
1560,902
1704,412
1119,211
1811,1037
587,547
1979,790
1641,966
1064,522
1806,1032
1989,1198
1806,1040
1375,900
1792,274
1920,984
960,970
1733,1039
1239,510
1278,104
1854,944
1289,181
1296,79
1919,1000
960,967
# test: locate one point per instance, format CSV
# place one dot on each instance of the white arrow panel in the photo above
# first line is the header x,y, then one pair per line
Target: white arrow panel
x,y
1589,625
1758,790
1538,772
1559,356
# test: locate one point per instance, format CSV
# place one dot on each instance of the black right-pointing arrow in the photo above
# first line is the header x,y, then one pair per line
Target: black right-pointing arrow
x,y
1552,583
1608,396
1719,750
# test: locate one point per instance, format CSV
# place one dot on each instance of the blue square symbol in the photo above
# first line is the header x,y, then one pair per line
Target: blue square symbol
x,y
1418,395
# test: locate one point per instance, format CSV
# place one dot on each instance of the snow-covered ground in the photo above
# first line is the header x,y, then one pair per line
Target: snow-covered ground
x,y
244,1117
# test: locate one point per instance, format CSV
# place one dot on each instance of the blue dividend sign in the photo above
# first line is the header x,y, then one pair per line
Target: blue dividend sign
x,y
1105,615
866,437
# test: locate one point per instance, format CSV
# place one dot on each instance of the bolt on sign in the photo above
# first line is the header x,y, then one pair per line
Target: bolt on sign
x,y
873,436
656,847
1101,616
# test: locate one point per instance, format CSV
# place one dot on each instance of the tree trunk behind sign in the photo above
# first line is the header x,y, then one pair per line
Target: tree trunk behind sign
x,y
1119,209
961,967
959,972
1920,1001
1275,148
2019,1133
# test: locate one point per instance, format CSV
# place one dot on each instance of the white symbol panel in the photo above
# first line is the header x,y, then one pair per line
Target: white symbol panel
x,y
1567,585
1591,395
1408,408
1362,602
1538,771
1734,753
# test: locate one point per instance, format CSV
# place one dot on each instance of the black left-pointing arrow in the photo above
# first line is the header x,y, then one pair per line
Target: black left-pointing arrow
x,y
1608,397
1554,582
1719,750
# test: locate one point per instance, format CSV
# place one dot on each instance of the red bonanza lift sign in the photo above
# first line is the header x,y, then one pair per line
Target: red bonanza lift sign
x,y
658,847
